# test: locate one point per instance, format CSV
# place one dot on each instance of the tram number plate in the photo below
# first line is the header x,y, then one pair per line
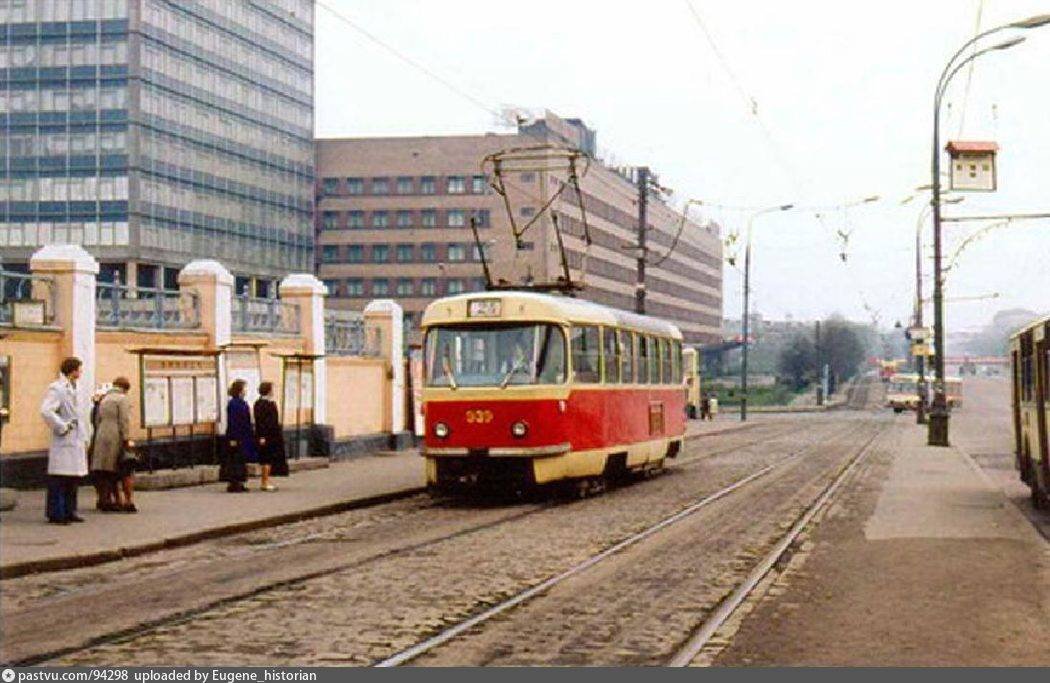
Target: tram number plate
x,y
479,416
484,308
656,418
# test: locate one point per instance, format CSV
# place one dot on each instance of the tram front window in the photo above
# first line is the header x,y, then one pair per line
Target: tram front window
x,y
495,356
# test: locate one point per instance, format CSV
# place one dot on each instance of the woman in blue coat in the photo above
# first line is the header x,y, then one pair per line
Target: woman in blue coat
x,y
240,440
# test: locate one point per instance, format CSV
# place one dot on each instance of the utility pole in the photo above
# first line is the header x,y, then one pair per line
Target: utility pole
x,y
820,370
920,409
643,223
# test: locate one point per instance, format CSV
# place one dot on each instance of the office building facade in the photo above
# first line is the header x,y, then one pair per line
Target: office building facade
x,y
393,221
152,132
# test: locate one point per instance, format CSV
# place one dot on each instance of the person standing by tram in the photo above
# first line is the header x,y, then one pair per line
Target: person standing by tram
x,y
67,461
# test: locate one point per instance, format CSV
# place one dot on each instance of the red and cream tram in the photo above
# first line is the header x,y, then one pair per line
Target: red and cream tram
x,y
525,388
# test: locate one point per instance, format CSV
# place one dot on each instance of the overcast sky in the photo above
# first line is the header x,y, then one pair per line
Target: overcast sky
x,y
842,90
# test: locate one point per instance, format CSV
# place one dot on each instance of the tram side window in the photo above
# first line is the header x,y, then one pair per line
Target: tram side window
x,y
654,360
586,354
643,359
1026,370
676,362
665,361
611,354
1045,357
626,357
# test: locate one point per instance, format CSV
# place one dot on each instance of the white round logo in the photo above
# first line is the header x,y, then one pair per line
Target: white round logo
x,y
8,675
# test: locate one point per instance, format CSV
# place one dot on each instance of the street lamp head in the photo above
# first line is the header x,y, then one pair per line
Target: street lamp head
x,y
872,198
952,200
785,207
1007,44
1032,22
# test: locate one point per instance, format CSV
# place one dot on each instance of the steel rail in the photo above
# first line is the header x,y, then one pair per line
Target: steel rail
x,y
688,652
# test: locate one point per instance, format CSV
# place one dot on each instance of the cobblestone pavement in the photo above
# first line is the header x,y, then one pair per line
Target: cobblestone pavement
x,y
356,587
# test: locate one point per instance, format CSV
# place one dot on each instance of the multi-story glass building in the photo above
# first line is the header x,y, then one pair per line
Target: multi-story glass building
x,y
157,131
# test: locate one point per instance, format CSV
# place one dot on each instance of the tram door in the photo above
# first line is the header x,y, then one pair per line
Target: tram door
x,y
1015,401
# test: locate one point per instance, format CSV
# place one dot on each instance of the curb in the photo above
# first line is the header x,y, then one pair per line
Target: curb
x,y
101,557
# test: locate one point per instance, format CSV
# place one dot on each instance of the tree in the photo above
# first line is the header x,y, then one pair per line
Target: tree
x,y
797,360
842,349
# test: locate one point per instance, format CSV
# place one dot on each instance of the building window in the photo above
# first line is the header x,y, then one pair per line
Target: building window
x,y
404,287
404,219
456,252
404,185
478,284
355,253
457,184
380,287
527,246
528,177
428,218
355,185
380,219
329,253
332,286
380,185
355,287
405,253
428,253
457,218
478,184
330,220
356,219
380,253
527,212
428,185
455,286
481,218
428,287
476,251
330,186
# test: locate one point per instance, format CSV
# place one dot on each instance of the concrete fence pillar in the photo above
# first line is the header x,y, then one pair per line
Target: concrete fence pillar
x,y
308,293
213,285
384,322
74,272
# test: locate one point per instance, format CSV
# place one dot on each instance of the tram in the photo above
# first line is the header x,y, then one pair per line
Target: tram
x,y
902,392
524,388
1030,370
693,392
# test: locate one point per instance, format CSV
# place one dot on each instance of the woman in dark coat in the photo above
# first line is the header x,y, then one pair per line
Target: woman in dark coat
x,y
240,441
270,433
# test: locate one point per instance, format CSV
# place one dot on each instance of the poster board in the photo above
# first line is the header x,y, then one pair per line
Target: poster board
x,y
242,362
415,376
298,388
178,389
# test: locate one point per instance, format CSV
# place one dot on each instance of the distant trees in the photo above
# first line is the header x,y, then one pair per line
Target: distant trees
x,y
842,347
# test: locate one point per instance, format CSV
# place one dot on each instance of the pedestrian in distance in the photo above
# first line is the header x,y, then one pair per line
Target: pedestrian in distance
x,y
705,407
270,433
240,440
67,461
111,458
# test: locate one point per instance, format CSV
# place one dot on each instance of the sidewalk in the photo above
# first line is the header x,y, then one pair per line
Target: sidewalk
x,y
180,516
922,561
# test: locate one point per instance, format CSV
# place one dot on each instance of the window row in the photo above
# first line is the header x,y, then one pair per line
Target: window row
x,y
405,185
64,143
183,196
228,247
88,234
228,46
263,24
615,356
49,55
403,253
265,178
17,11
246,94
209,120
403,287
403,218
64,189
88,98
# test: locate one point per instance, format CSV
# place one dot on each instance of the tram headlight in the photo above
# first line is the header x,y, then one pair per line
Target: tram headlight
x,y
441,430
519,429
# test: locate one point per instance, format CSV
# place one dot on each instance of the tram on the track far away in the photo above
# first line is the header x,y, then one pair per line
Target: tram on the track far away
x,y
524,388
1030,365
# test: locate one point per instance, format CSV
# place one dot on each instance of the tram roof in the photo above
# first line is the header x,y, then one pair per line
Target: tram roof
x,y
1028,326
520,306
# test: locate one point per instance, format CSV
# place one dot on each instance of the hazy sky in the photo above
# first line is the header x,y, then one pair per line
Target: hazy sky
x,y
843,91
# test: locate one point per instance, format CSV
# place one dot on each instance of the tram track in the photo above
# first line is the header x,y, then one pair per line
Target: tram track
x,y
450,633
289,562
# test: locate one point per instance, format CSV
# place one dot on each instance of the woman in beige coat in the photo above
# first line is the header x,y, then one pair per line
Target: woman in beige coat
x,y
112,439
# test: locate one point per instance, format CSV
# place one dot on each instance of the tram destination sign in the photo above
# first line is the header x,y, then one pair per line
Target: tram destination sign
x,y
484,308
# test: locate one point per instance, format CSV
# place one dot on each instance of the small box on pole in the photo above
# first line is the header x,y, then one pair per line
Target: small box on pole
x,y
973,166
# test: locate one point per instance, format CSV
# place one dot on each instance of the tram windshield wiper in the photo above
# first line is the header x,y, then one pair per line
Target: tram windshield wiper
x,y
520,365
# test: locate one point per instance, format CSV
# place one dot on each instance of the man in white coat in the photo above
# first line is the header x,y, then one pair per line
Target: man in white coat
x,y
67,461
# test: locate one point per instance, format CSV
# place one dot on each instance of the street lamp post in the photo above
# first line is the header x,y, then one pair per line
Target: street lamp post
x,y
938,433
747,304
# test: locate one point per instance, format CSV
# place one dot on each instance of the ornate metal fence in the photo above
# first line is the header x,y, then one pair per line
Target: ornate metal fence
x,y
344,335
25,288
123,306
273,316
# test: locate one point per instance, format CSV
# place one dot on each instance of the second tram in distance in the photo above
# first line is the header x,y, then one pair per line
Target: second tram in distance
x,y
1030,364
523,388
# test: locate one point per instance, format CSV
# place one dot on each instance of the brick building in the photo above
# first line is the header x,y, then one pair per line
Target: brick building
x,y
393,221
